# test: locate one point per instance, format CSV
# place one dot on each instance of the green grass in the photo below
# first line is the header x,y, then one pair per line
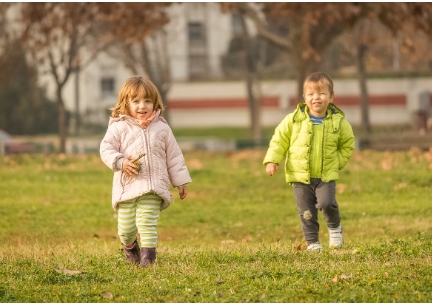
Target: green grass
x,y
236,237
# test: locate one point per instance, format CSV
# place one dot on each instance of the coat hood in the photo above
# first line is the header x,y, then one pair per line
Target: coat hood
x,y
333,112
129,119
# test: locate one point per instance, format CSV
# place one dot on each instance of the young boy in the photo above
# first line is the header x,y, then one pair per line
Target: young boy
x,y
317,142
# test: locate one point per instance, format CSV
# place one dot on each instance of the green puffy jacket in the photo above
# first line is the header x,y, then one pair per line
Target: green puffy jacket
x,y
293,138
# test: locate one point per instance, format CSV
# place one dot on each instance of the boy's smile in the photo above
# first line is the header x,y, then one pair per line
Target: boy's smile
x,y
317,99
141,108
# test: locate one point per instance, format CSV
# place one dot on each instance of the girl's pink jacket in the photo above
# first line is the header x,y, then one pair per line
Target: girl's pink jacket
x,y
162,165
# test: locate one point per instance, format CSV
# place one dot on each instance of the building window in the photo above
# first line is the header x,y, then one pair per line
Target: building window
x,y
198,58
236,23
107,86
196,31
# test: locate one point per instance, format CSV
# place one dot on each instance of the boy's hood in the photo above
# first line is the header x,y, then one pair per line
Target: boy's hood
x,y
333,112
301,111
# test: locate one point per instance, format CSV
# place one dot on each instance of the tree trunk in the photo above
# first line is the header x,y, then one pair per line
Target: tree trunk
x,y
364,99
62,125
252,86
166,113
77,103
301,75
254,98
156,63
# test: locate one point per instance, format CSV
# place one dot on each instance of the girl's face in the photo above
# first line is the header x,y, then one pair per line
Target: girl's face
x,y
317,98
141,108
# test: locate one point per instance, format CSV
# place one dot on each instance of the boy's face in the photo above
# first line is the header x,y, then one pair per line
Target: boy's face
x,y
317,97
141,108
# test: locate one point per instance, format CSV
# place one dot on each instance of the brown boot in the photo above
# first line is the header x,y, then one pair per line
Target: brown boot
x,y
148,256
133,254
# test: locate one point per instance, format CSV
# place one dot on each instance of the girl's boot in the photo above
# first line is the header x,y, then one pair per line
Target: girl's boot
x,y
133,254
148,256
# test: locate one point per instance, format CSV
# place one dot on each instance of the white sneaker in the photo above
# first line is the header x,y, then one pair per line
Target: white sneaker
x,y
335,235
314,246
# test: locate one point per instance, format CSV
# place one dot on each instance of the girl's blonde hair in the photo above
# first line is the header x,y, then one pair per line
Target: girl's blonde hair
x,y
317,79
133,87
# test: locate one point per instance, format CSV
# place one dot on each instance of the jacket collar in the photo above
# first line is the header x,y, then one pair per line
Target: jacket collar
x,y
333,112
130,120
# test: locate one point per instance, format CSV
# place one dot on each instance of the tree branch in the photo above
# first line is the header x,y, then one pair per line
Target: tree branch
x,y
245,9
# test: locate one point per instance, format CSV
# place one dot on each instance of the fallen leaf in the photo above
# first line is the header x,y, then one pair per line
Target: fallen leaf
x,y
219,281
107,295
386,274
195,164
341,188
344,276
247,239
227,241
300,246
69,272
335,279
357,187
61,157
400,185
387,164
63,270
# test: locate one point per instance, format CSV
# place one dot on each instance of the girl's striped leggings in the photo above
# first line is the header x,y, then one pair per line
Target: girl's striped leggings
x,y
139,215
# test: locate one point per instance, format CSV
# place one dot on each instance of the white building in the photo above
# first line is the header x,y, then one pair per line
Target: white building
x,y
199,35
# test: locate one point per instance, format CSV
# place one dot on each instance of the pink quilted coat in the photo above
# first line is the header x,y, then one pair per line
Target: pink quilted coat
x,y
162,165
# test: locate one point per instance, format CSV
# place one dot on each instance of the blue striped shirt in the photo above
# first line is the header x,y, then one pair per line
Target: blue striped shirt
x,y
316,120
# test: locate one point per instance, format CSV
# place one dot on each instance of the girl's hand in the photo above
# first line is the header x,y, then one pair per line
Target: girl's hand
x,y
129,167
182,191
271,168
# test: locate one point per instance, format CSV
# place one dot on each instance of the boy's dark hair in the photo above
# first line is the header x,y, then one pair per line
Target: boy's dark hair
x,y
318,78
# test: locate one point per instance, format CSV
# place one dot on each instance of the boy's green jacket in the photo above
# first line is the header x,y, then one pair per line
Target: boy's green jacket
x,y
293,139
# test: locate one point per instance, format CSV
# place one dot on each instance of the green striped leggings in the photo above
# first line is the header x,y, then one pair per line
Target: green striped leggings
x,y
139,215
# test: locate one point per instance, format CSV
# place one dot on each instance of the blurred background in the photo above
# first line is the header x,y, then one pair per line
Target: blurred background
x,y
228,73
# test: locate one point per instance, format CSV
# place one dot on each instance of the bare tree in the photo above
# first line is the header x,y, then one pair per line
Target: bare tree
x,y
311,28
253,84
251,69
56,35
393,16
140,41
149,57
64,37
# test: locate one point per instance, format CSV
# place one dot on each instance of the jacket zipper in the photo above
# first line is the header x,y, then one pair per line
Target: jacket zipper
x,y
146,138
309,151
322,152
146,158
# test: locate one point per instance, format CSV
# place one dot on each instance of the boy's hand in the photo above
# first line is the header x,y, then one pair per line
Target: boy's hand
x,y
129,167
182,192
271,168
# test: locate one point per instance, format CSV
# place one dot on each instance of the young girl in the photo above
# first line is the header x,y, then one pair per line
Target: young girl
x,y
140,148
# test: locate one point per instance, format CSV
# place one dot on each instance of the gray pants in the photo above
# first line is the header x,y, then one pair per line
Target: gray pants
x,y
310,198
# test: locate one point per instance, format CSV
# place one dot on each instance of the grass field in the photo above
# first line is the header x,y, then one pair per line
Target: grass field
x,y
236,238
